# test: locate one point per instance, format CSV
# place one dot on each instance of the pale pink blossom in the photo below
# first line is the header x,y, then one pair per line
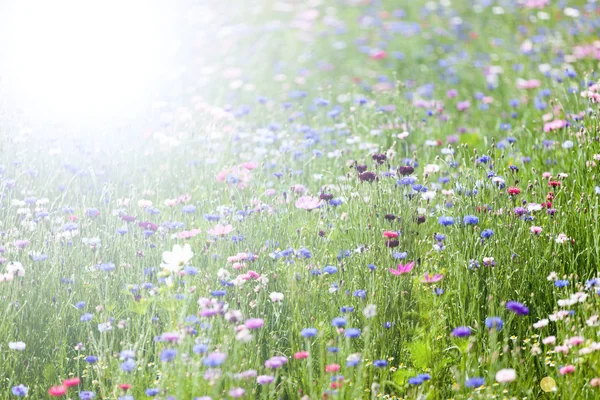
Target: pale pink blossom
x,y
220,230
308,203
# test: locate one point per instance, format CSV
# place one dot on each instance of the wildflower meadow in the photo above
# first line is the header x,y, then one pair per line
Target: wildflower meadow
x,y
320,199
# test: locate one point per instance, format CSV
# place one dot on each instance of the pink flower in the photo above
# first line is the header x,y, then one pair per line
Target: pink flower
x,y
378,55
254,323
554,125
528,84
301,355
432,278
536,3
463,105
576,340
308,203
390,234
549,340
188,234
220,230
567,369
332,368
57,391
249,165
403,269
536,230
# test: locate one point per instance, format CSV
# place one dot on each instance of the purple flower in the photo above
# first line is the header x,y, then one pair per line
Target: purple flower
x,y
461,331
517,308
265,379
214,359
276,362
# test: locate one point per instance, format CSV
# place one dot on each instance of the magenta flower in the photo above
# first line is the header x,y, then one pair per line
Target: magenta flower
x,y
432,278
402,269
308,203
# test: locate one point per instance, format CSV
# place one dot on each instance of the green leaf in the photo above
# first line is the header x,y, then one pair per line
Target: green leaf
x,y
421,354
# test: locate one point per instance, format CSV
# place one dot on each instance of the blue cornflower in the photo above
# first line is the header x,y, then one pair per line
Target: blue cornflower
x,y
309,332
347,309
218,293
151,392
86,317
335,202
128,365
470,220
415,380
20,390
200,348
352,333
360,293
371,267
475,382
91,359
330,269
80,305
188,209
380,363
487,233
87,395
338,322
446,221
561,283
106,267
168,355
494,323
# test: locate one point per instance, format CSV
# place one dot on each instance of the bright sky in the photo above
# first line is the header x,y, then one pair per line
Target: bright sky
x,y
80,59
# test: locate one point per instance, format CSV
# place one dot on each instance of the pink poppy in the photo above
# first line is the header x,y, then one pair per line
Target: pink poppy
x,y
390,234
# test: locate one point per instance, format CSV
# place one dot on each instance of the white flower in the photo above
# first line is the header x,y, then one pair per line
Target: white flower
x,y
276,297
370,311
506,375
15,268
534,207
174,260
561,238
541,323
431,169
19,346
427,196
223,274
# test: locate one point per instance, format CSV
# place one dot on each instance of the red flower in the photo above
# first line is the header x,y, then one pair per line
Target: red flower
x,y
390,234
125,386
550,196
554,184
57,391
71,382
513,191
